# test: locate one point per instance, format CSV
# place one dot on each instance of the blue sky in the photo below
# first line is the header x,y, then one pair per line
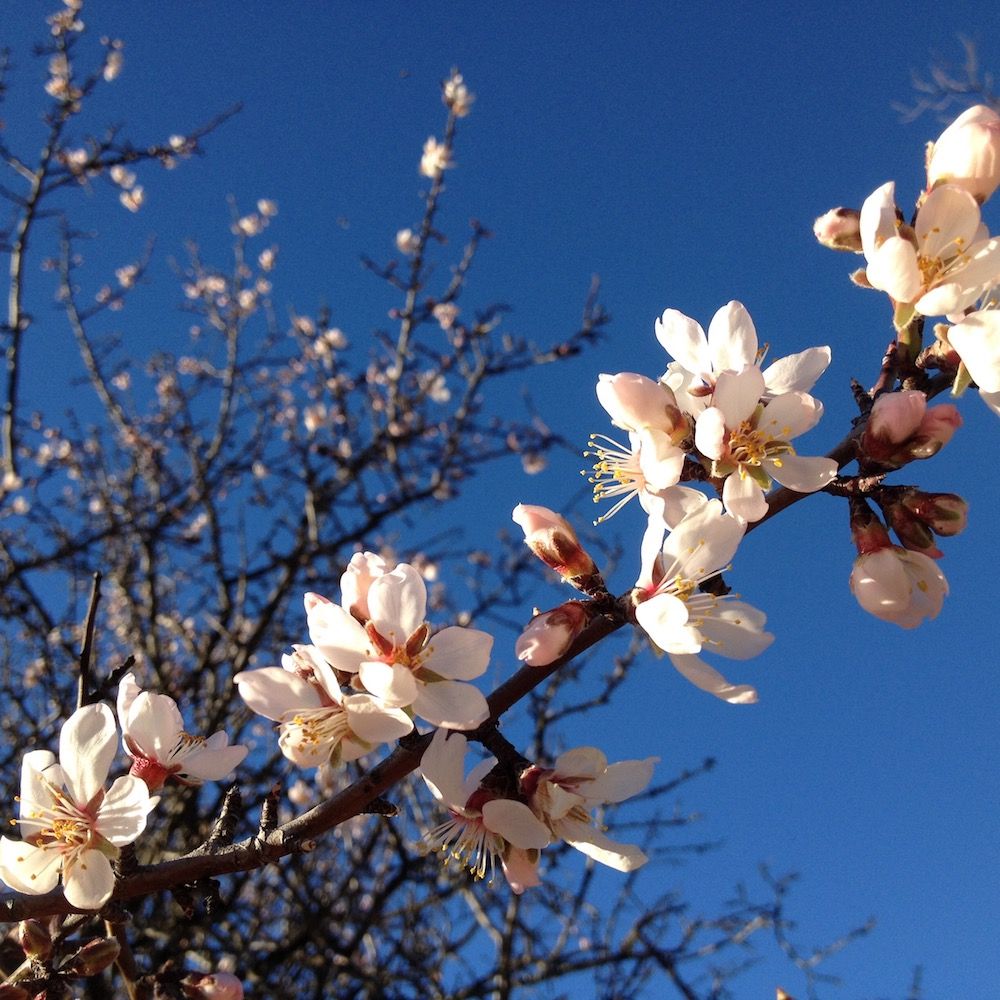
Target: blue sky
x,y
681,152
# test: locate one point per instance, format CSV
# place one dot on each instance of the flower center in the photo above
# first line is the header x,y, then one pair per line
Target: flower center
x,y
616,473
466,840
748,445
314,731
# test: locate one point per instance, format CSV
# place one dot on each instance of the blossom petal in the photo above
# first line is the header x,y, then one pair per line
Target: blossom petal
x,y
893,269
272,692
710,432
338,636
701,675
581,762
947,222
393,683
743,498
878,218
660,460
703,543
373,722
664,619
36,797
802,473
977,340
213,764
451,703
122,815
459,654
89,882
736,630
732,338
684,340
590,841
27,868
737,394
128,691
516,823
154,723
620,781
87,745
521,870
442,767
398,603
797,372
792,413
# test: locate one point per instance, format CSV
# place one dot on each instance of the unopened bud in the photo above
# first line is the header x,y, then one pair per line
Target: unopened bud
x,y
967,153
867,531
213,986
634,401
94,957
551,537
550,634
34,938
946,514
901,428
839,229
911,531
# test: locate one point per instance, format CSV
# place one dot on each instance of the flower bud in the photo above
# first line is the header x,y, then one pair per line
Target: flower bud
x,y
898,586
901,428
911,531
94,957
214,986
967,153
634,401
551,537
34,938
839,229
946,514
550,634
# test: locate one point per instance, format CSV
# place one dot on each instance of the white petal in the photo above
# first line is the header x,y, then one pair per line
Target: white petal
x,y
664,619
620,781
743,498
732,338
660,460
451,703
735,630
154,723
442,767
581,762
703,543
792,413
374,723
701,675
797,372
737,394
338,636
128,689
516,823
684,340
710,432
26,868
460,654
393,683
89,882
87,745
122,815
948,219
802,473
215,764
35,794
398,603
893,269
272,692
878,218
667,508
590,841
977,340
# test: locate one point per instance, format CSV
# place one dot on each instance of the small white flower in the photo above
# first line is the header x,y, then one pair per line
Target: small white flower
x,y
407,241
153,736
69,823
436,158
898,585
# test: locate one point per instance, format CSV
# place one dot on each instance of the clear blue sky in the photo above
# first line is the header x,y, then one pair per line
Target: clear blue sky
x,y
681,152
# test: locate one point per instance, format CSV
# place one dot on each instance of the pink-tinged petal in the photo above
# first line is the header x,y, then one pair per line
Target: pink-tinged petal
x,y
743,498
732,338
338,636
362,569
521,870
977,340
128,691
802,473
899,586
373,722
89,882
633,401
153,724
797,372
272,692
451,703
398,603
701,675
947,222
122,815
736,630
664,619
30,869
703,543
392,683
620,781
878,218
787,416
684,340
893,269
581,762
442,767
213,765
516,823
710,433
737,394
459,654
87,746
590,841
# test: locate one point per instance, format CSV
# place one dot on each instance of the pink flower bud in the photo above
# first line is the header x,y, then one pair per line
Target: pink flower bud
x,y
946,514
551,537
935,431
550,634
216,986
839,229
901,428
896,415
911,531
967,153
898,586
634,401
